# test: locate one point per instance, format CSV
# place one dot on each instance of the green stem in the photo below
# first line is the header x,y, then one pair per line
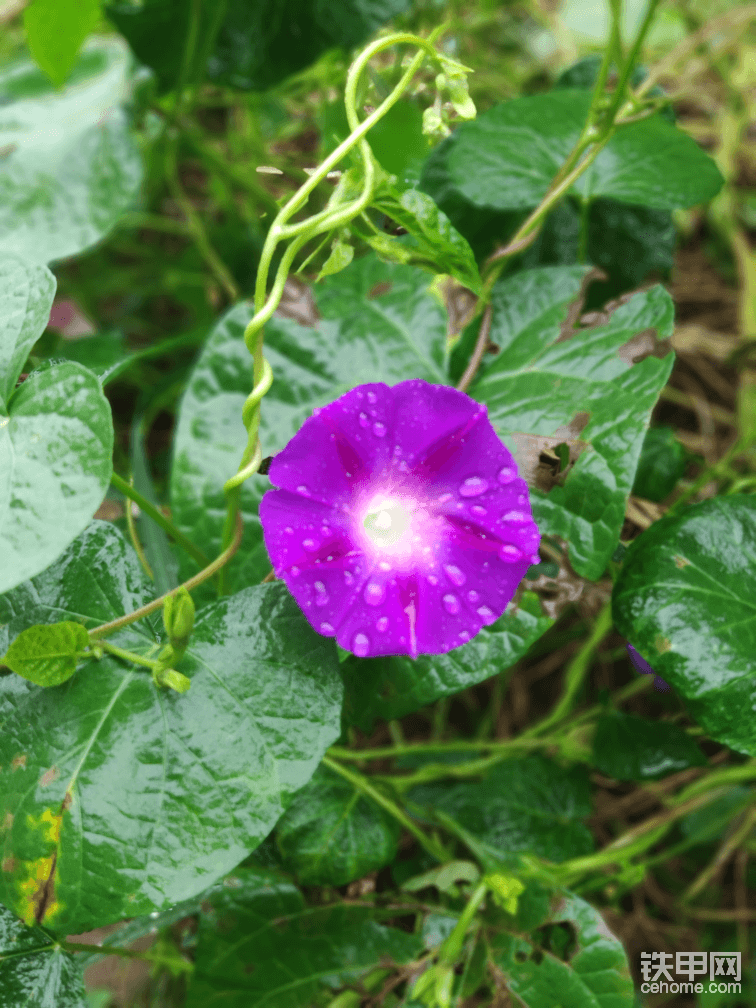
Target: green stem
x,y
129,656
145,610
463,745
159,518
126,953
624,76
576,672
361,784
450,950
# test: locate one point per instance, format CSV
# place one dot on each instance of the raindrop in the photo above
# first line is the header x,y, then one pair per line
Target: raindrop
x,y
451,604
472,596
510,553
364,420
432,579
360,644
384,566
310,545
294,571
522,499
327,629
322,596
485,613
372,397
444,498
473,486
464,635
374,593
382,624
478,510
302,489
348,577
316,411
379,429
507,474
515,516
289,530
455,575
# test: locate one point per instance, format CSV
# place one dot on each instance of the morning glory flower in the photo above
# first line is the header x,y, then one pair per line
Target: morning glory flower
x,y
400,525
642,666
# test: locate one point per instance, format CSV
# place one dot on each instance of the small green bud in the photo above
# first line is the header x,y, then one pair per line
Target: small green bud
x,y
172,679
505,890
178,618
434,125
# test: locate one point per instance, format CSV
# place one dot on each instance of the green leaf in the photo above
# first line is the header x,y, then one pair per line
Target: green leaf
x,y
540,385
34,971
432,243
266,948
627,242
628,748
26,296
55,30
570,959
72,168
661,464
129,798
341,255
529,805
58,440
507,157
331,834
394,686
47,655
257,44
686,599
378,323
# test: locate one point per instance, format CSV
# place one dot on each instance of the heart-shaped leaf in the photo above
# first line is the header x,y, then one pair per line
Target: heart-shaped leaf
x,y
56,443
72,167
117,797
574,387
628,747
26,296
47,655
686,599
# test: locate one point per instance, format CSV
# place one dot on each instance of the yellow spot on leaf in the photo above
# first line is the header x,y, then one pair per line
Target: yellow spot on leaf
x,y
19,762
35,880
7,822
49,776
681,561
662,644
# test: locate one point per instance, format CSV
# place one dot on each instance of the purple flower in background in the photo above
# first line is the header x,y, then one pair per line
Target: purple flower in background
x,y
401,525
642,666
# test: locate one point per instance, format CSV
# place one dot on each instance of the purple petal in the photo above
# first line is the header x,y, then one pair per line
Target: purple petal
x,y
401,526
642,666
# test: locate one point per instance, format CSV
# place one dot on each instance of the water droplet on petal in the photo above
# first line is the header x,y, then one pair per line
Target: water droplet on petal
x,y
451,604
327,629
348,577
364,420
432,579
444,498
486,614
289,530
472,596
476,509
316,410
374,593
510,553
302,489
382,624
515,516
379,429
372,397
536,558
507,474
522,499
294,571
464,635
310,545
455,575
384,566
322,596
360,644
473,486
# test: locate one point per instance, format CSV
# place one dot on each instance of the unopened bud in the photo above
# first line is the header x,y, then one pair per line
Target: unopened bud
x,y
178,618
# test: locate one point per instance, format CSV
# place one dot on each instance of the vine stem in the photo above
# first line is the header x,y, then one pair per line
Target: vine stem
x,y
115,950
435,849
576,672
159,518
145,610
